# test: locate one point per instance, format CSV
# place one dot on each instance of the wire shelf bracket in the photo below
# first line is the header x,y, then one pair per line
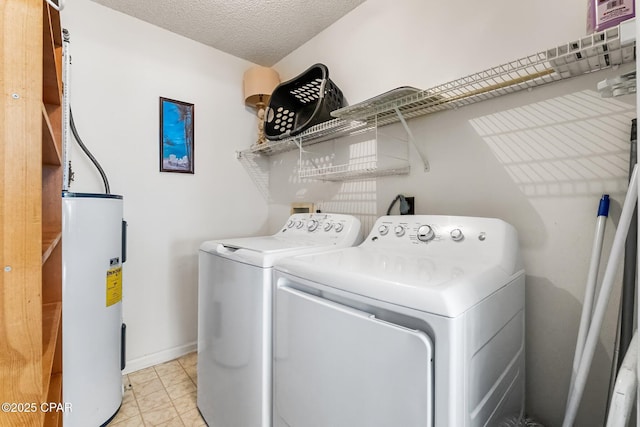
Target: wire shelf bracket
x,y
412,140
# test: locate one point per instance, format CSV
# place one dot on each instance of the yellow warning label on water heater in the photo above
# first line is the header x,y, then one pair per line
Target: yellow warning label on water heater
x,y
114,286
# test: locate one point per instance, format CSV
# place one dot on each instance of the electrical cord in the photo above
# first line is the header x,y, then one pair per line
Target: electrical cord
x,y
107,188
58,6
404,205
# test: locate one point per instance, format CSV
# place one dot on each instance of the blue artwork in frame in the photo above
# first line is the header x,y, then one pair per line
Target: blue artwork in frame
x,y
176,136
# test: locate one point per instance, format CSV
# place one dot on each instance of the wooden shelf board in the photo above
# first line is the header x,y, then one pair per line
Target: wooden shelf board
x,y
51,64
51,317
54,113
54,17
50,239
52,418
50,153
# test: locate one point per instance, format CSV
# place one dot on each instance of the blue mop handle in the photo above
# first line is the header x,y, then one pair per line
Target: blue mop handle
x,y
590,288
603,209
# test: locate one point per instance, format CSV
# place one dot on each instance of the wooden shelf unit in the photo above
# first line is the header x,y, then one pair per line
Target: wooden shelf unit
x,y
30,211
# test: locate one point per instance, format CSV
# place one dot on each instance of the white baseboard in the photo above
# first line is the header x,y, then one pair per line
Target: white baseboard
x,y
159,357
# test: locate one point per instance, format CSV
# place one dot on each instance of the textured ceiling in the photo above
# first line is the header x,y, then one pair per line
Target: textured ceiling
x,y
260,31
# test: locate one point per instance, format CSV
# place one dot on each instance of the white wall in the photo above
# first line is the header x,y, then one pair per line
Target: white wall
x,y
540,159
121,66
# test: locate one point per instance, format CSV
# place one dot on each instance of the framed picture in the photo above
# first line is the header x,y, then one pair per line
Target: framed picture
x,y
176,136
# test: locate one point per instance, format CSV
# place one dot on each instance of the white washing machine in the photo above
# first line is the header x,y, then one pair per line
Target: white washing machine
x,y
235,294
420,325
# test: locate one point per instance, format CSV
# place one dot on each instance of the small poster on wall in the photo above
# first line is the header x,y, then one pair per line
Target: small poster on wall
x,y
176,136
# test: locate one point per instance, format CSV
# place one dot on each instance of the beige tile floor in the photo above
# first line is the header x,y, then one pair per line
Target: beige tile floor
x,y
162,395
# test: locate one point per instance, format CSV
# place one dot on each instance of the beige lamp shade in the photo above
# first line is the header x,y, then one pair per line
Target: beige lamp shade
x,y
259,83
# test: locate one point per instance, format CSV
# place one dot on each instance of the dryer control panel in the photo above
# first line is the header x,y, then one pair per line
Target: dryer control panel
x,y
446,236
435,228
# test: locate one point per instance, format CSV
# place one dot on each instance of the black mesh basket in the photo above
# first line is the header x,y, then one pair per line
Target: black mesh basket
x,y
302,102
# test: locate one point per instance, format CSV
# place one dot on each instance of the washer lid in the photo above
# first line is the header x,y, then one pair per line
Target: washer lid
x,y
301,234
446,286
268,244
264,251
260,251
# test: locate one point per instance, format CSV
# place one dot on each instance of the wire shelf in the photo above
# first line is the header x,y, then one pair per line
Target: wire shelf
x,y
350,171
321,132
598,51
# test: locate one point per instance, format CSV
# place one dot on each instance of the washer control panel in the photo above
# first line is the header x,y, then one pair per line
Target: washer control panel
x,y
319,223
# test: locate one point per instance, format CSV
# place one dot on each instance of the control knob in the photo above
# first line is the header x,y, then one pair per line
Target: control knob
x,y
299,224
399,230
312,225
456,235
328,226
290,223
383,229
339,227
425,233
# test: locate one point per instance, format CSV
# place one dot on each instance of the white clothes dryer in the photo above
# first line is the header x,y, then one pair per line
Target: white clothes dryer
x,y
420,325
235,295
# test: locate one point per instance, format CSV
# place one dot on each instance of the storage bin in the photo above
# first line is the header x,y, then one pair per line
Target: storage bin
x,y
300,103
